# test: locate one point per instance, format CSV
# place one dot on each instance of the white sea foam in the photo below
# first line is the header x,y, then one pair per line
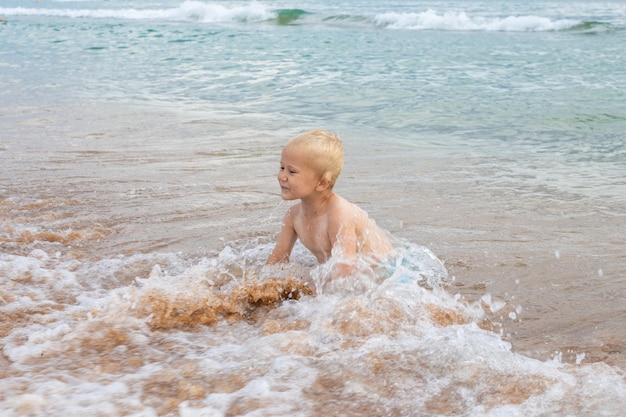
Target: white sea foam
x,y
461,21
187,11
380,342
205,12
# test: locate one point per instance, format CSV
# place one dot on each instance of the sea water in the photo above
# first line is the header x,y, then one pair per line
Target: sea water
x,y
138,150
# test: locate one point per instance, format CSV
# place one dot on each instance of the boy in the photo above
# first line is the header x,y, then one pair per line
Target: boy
x,y
326,224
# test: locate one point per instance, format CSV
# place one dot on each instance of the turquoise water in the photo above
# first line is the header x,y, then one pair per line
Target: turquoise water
x,y
138,153
541,78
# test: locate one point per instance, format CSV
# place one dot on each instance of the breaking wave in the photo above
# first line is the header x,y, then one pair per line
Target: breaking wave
x,y
203,12
461,21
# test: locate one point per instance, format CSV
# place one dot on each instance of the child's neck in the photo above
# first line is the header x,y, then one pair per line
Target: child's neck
x,y
317,205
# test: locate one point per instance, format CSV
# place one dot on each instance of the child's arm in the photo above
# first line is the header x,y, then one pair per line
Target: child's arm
x,y
344,244
285,242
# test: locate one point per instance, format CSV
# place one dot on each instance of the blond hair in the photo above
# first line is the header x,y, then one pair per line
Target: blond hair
x,y
324,151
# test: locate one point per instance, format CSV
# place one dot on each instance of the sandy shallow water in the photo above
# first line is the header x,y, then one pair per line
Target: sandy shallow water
x,y
102,208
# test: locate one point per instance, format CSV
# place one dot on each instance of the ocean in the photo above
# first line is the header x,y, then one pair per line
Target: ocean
x,y
139,146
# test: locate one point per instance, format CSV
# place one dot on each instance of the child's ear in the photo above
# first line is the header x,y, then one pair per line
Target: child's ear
x,y
324,183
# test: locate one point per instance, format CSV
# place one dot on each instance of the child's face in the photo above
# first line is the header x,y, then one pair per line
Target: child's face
x,y
296,178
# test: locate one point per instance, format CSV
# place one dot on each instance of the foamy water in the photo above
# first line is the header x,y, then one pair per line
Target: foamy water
x,y
210,337
147,294
138,204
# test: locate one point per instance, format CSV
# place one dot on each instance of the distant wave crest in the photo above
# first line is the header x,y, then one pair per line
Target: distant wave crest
x,y
188,10
209,12
460,21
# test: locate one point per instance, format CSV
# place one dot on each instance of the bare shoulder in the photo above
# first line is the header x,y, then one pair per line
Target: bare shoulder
x,y
342,206
347,212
